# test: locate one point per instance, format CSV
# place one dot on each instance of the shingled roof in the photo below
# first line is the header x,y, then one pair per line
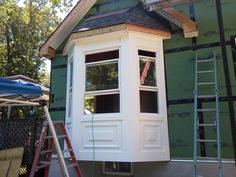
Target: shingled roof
x,y
136,15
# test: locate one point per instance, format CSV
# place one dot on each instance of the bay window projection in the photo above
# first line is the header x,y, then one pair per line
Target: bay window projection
x,y
102,83
148,83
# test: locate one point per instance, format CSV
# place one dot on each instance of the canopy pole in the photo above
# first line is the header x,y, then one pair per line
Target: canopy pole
x,y
8,112
57,145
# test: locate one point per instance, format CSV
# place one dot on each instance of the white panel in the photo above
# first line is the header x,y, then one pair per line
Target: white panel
x,y
151,135
105,134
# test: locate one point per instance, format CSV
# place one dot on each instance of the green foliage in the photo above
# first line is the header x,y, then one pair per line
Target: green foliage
x,y
44,78
23,29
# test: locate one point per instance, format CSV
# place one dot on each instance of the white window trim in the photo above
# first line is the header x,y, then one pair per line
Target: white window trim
x,y
108,91
70,88
150,88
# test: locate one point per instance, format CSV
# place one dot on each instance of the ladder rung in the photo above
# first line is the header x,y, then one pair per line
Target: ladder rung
x,y
207,158
43,164
206,83
59,136
71,165
205,60
204,72
205,140
204,110
47,137
45,151
206,125
206,96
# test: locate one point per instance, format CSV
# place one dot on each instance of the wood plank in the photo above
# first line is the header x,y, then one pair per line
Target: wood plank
x,y
165,34
63,30
189,27
14,156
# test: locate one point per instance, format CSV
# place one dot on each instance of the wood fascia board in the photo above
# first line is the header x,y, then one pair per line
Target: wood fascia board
x,y
164,34
89,33
66,26
189,27
115,28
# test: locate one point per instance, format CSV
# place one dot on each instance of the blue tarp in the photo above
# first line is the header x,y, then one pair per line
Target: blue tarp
x,y
11,87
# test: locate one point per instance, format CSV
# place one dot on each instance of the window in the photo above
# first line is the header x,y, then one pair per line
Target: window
x,y
70,84
148,82
102,83
118,168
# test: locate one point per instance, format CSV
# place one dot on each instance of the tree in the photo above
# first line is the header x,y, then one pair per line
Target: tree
x,y
23,29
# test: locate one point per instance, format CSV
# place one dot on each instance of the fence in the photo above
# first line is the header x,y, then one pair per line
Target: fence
x,y
15,132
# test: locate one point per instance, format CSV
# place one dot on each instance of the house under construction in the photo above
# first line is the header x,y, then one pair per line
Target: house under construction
x,y
147,88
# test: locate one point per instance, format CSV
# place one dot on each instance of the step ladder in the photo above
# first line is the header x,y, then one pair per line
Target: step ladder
x,y
44,151
214,111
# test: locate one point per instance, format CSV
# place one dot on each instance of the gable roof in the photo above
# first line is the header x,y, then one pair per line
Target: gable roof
x,y
91,14
65,27
136,15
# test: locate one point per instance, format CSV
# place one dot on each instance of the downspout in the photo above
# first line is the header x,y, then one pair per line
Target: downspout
x,y
227,75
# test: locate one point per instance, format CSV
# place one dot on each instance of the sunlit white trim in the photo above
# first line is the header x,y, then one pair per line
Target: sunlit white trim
x,y
148,88
97,63
102,92
147,57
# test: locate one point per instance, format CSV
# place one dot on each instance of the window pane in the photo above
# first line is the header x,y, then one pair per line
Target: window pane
x,y
147,72
148,101
147,53
102,104
102,76
102,56
71,74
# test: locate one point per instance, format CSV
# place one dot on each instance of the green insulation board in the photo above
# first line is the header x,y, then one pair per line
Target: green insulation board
x,y
180,70
58,87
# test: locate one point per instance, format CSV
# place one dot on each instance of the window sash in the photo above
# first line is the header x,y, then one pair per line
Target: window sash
x,y
98,63
102,63
102,92
155,62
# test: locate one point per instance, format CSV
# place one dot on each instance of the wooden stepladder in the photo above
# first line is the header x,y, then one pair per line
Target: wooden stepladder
x,y
43,155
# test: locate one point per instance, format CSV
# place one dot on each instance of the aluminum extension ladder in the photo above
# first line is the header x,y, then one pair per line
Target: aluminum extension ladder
x,y
43,156
202,74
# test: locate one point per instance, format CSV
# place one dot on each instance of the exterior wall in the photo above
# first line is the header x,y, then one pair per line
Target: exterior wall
x,y
128,135
180,68
179,61
58,87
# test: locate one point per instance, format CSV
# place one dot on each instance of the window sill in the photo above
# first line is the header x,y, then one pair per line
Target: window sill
x,y
101,117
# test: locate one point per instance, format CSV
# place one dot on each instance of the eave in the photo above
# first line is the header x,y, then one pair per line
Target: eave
x,y
58,36
115,28
165,9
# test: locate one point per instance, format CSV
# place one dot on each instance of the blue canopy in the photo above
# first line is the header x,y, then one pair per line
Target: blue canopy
x,y
15,88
